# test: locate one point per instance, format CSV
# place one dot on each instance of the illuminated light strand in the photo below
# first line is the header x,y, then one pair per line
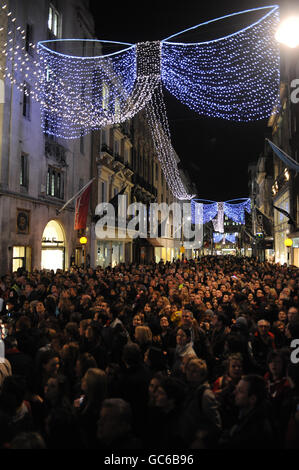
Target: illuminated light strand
x,y
232,209
235,77
231,237
218,237
219,222
158,122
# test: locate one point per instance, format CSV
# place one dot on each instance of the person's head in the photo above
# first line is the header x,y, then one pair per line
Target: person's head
x,y
196,371
277,363
83,326
282,316
235,366
50,363
153,386
263,327
84,362
293,314
137,320
40,308
70,353
143,334
292,330
56,389
169,394
250,392
114,420
183,336
187,319
279,326
94,384
131,354
164,322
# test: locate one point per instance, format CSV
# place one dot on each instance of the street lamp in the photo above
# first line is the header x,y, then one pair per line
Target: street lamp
x,y
288,32
288,243
83,241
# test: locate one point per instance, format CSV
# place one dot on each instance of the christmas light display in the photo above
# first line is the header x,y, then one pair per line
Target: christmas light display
x,y
235,77
218,223
217,237
233,209
158,122
223,237
231,237
236,212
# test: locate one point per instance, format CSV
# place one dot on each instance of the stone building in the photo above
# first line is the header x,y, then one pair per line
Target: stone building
x,y
38,172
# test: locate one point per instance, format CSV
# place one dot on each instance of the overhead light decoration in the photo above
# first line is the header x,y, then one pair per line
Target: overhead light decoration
x,y
233,209
235,77
231,237
218,237
218,222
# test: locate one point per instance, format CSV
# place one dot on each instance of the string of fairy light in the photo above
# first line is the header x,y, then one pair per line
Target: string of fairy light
x,y
204,211
223,237
235,77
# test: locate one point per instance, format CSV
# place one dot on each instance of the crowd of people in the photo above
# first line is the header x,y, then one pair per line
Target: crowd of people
x,y
189,354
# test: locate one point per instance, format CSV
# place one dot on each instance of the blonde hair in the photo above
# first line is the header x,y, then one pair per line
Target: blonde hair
x,y
143,334
200,364
96,381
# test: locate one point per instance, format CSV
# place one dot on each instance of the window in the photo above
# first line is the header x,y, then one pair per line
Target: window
x,y
54,22
104,137
104,191
24,171
21,258
55,183
82,142
29,39
26,101
116,147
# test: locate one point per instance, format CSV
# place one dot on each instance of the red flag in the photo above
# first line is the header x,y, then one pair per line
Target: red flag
x,y
81,212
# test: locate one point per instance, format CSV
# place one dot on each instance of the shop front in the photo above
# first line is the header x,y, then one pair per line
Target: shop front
x,y
53,247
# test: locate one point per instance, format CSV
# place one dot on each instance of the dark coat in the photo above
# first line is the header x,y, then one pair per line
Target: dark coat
x,y
255,430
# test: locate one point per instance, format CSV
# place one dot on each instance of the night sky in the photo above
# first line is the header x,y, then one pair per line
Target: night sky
x,y
215,152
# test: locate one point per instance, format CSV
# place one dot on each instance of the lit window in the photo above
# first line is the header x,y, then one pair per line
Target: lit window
x,y
53,21
55,183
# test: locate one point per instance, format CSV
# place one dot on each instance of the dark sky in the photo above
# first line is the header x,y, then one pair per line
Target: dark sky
x,y
215,152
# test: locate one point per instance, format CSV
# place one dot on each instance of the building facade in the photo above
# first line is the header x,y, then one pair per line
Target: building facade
x,y
127,165
38,172
285,189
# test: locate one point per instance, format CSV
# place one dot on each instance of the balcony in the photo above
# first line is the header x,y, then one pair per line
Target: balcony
x,y
106,154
